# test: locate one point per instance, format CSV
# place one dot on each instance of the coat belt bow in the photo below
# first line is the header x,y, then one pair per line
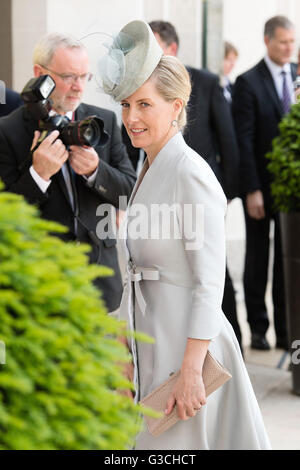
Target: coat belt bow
x,y
137,274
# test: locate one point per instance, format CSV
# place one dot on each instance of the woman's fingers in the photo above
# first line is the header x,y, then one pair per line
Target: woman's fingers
x,y
197,406
188,396
170,405
184,410
187,410
191,411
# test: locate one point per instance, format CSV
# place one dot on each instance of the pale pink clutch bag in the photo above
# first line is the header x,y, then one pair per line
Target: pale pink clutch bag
x,y
214,375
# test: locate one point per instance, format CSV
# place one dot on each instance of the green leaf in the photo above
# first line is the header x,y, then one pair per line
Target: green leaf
x,y
284,163
58,388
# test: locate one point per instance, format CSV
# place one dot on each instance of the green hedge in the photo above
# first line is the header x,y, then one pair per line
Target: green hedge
x,y
58,386
285,163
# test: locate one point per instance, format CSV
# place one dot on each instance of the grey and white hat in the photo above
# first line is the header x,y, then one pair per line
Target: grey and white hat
x,y
130,61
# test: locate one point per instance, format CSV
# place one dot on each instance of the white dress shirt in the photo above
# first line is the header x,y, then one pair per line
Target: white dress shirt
x,y
276,71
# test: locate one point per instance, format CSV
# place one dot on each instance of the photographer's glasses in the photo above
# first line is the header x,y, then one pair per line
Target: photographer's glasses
x,y
70,78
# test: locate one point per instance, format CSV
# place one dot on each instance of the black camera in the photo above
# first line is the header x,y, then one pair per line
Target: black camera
x,y
89,131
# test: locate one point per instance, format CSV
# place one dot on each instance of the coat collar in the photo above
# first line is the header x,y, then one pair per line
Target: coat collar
x,y
163,163
270,86
80,112
276,69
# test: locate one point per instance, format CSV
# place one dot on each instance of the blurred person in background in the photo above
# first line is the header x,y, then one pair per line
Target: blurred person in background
x,y
298,67
9,100
261,97
229,61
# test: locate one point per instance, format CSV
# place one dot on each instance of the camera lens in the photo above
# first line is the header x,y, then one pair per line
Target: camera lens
x,y
89,131
88,134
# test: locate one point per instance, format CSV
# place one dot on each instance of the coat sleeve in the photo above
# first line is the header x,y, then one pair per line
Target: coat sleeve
x,y
17,178
243,109
198,190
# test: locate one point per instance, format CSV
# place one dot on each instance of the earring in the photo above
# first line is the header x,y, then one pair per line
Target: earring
x,y
174,123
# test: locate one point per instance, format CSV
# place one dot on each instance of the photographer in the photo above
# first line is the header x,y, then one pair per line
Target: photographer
x,y
68,184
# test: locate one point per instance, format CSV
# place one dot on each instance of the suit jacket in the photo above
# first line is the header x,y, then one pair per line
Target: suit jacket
x,y
257,111
12,101
210,130
115,178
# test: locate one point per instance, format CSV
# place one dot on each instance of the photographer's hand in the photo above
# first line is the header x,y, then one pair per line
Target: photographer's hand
x,y
83,160
50,155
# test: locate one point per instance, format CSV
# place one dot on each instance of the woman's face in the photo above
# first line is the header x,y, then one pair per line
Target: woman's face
x,y
147,118
229,63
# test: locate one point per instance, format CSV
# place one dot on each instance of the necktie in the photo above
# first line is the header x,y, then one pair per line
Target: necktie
x,y
69,177
227,93
286,97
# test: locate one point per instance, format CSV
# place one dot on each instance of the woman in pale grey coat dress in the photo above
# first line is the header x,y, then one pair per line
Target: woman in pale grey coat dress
x,y
175,248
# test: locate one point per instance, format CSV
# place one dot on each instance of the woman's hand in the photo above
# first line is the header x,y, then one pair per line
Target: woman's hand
x,y
189,392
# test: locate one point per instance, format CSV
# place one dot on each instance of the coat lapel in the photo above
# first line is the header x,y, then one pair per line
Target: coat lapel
x,y
80,113
162,164
270,86
60,180
144,170
294,71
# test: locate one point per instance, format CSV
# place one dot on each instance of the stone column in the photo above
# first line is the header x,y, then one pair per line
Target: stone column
x,y
5,46
29,19
214,35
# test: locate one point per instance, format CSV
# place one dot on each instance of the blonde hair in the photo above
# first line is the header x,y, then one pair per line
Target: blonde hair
x,y
230,48
172,82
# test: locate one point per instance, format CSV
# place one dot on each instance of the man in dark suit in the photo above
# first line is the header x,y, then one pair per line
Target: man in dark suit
x,y
69,185
261,98
210,132
12,100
